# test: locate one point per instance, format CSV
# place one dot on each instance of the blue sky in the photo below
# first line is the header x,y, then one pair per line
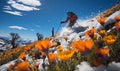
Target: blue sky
x,y
27,17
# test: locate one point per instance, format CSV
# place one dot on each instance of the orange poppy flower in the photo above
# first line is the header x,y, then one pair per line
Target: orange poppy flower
x,y
43,54
87,33
27,48
10,67
22,55
97,62
37,65
117,18
88,43
24,66
79,45
102,20
117,25
95,36
51,57
43,44
90,32
103,51
38,45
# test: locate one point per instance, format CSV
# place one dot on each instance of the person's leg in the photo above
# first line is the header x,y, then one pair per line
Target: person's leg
x,y
71,24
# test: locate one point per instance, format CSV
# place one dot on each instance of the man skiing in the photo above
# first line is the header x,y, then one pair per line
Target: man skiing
x,y
72,17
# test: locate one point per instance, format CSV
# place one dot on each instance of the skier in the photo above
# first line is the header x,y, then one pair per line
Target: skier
x,y
72,17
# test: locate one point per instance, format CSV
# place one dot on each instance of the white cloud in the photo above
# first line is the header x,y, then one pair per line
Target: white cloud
x,y
7,8
17,27
16,7
31,2
24,6
14,13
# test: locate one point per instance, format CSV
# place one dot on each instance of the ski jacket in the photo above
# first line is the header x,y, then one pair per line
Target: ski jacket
x,y
72,18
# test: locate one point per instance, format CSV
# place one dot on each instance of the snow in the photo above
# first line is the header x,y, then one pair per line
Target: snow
x,y
5,66
4,45
2,42
77,30
84,66
111,19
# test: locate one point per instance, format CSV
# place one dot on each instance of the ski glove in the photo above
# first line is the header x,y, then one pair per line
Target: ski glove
x,y
62,22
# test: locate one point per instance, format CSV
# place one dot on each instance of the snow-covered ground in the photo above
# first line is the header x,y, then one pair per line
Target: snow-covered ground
x,y
5,66
84,66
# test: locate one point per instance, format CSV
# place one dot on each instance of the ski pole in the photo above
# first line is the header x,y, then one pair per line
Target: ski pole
x,y
58,28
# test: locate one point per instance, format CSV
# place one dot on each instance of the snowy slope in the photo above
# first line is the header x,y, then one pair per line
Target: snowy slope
x,y
5,43
78,30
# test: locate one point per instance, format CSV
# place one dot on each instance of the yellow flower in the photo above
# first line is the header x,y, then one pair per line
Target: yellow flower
x,y
102,32
65,55
59,48
110,39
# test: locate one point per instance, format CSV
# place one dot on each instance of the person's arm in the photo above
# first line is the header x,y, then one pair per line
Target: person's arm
x,y
65,20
